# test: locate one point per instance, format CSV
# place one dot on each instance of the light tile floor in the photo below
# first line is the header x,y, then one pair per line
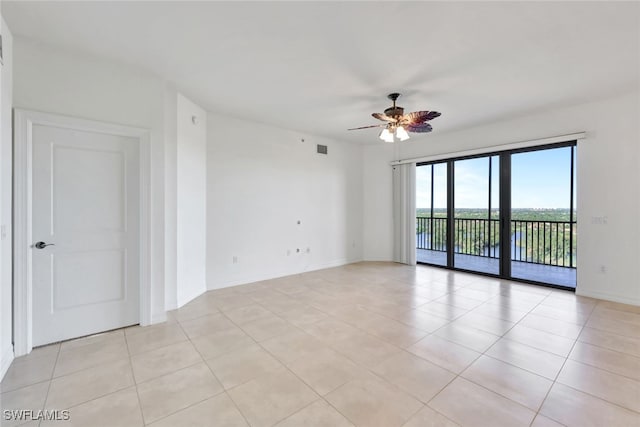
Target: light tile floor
x,y
367,344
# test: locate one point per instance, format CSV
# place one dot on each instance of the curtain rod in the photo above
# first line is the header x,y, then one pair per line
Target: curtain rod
x,y
494,148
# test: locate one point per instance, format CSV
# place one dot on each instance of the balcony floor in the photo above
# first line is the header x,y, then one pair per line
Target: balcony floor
x,y
562,276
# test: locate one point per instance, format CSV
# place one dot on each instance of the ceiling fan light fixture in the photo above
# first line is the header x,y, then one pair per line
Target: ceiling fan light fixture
x,y
386,136
402,134
398,124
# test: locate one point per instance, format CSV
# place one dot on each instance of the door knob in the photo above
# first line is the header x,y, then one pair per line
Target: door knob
x,y
42,245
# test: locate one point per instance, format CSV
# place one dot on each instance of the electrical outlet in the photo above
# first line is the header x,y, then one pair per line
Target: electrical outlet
x,y
3,232
298,250
603,269
235,259
308,250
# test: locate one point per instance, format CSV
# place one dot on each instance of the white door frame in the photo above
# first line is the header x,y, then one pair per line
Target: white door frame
x,y
22,209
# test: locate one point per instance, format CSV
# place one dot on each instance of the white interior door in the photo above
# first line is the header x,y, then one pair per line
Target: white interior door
x,y
85,205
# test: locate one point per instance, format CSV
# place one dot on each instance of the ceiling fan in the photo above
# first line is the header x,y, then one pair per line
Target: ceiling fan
x,y
398,123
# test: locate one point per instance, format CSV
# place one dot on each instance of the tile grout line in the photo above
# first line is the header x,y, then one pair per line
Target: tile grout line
x,y
135,383
449,321
308,385
555,380
499,336
606,369
272,355
189,339
203,360
322,397
537,412
459,375
595,367
44,404
433,333
224,389
133,376
608,348
330,292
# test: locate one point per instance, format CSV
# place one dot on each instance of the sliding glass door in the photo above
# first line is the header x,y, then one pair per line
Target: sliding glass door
x,y
543,216
476,214
509,214
432,214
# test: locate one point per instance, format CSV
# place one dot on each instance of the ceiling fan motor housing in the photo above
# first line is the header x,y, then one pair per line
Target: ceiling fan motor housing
x,y
394,111
399,124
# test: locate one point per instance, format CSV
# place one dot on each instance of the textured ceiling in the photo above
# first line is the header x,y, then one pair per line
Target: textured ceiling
x,y
323,67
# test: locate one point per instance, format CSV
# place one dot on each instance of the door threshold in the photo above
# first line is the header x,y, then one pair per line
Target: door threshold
x,y
497,276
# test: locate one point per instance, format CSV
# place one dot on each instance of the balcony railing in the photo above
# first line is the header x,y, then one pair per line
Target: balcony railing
x,y
536,242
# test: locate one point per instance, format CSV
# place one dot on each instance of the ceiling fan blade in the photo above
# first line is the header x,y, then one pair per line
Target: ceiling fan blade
x,y
419,128
367,127
420,116
384,117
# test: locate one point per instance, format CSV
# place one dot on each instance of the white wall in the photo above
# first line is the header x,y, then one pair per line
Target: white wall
x,y
191,194
170,197
6,156
55,81
608,180
377,194
260,181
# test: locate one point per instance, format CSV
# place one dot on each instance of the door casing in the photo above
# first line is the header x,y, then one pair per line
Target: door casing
x,y
24,120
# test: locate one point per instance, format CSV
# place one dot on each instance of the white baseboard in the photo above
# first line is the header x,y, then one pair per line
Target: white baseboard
x,y
374,259
5,361
159,317
171,305
186,299
608,297
243,280
333,263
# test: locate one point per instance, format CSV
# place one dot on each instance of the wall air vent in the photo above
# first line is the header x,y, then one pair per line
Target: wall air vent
x,y
322,149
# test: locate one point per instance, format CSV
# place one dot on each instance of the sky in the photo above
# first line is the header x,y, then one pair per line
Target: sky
x,y
539,179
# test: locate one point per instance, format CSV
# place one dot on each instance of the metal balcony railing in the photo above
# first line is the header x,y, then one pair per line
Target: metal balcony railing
x,y
536,242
